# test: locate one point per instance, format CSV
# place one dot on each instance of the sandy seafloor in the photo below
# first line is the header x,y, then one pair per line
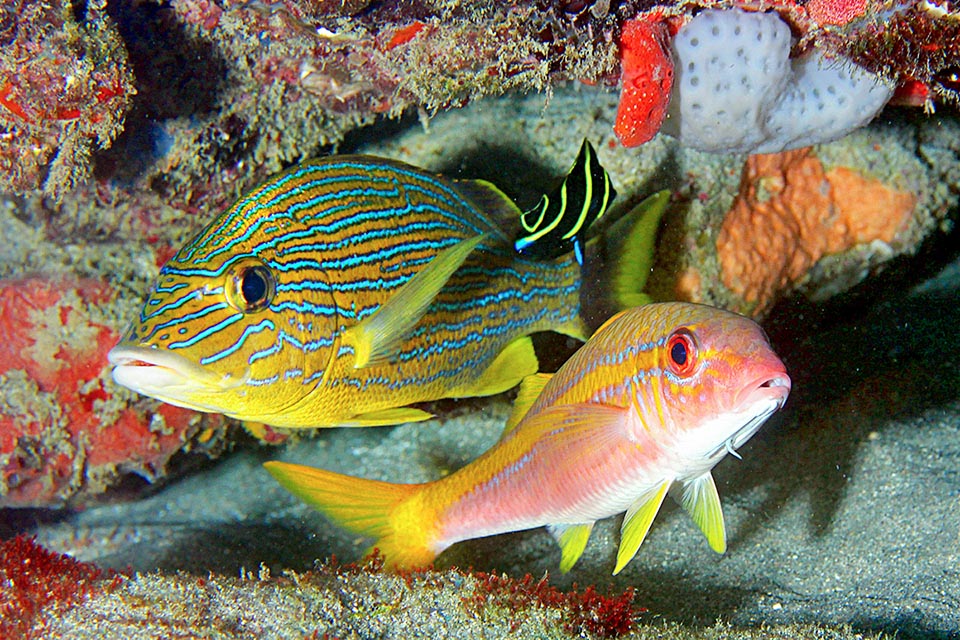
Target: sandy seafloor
x,y
844,509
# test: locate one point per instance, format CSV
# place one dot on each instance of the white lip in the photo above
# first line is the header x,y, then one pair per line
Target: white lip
x,y
167,376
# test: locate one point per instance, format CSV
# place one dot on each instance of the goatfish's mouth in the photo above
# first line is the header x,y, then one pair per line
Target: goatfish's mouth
x,y
160,374
759,403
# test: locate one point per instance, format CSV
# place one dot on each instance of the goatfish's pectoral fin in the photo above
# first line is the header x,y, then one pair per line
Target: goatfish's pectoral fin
x,y
516,361
376,338
572,539
631,241
700,499
637,523
530,388
560,221
381,510
387,417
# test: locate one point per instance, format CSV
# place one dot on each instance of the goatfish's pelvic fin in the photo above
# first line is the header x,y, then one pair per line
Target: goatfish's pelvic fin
x,y
369,508
572,539
560,221
700,499
376,339
636,523
530,388
517,360
631,245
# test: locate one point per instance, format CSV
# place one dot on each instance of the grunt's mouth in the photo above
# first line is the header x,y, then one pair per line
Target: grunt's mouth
x,y
166,376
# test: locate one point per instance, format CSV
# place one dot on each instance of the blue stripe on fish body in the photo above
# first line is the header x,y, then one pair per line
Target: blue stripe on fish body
x,y
328,245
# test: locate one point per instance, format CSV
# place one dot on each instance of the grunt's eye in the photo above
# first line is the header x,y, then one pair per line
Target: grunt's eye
x,y
682,353
250,285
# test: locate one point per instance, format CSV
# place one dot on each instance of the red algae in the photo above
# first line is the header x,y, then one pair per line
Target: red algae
x,y
37,582
65,428
587,611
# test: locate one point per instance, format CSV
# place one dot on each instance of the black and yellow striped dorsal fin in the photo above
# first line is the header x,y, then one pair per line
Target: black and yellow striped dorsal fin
x,y
560,221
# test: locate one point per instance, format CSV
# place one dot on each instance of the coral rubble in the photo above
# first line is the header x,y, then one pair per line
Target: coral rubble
x,y
65,85
66,432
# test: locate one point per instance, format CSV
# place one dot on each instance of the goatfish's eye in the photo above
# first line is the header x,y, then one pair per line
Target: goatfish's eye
x,y
682,353
250,285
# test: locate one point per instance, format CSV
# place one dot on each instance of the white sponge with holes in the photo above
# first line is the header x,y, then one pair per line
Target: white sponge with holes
x,y
736,90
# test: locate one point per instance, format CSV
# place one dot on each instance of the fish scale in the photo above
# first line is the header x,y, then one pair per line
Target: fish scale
x,y
656,398
333,242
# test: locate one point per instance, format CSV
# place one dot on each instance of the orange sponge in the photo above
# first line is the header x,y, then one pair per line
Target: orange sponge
x,y
790,212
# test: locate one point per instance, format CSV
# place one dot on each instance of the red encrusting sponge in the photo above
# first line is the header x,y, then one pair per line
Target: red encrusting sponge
x,y
646,79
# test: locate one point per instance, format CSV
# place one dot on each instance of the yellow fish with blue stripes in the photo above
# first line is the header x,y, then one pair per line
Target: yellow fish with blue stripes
x,y
346,289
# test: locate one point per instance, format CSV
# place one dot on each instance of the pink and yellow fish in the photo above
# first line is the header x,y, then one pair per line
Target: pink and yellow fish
x,y
656,398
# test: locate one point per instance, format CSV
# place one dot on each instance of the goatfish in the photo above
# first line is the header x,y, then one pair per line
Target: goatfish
x,y
345,289
655,399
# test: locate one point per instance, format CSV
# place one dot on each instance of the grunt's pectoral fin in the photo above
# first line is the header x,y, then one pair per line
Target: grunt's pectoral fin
x,y
637,523
530,388
700,499
376,338
572,539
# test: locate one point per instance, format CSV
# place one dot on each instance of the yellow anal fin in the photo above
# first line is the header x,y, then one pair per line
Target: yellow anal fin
x,y
370,508
376,339
513,364
575,328
387,417
637,523
572,539
530,388
700,499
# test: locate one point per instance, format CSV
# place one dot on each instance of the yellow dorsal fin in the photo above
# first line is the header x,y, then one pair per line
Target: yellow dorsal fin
x,y
376,338
572,539
637,523
530,388
700,499
631,243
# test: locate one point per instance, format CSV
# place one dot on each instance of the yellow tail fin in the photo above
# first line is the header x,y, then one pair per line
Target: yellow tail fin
x,y
390,513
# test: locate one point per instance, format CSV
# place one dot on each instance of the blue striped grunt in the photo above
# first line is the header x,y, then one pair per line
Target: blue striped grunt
x,y
343,290
655,399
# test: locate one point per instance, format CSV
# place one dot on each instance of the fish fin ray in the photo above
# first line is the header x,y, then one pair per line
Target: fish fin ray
x,y
516,361
530,388
502,212
572,539
387,417
700,499
631,248
370,508
575,328
637,521
376,339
